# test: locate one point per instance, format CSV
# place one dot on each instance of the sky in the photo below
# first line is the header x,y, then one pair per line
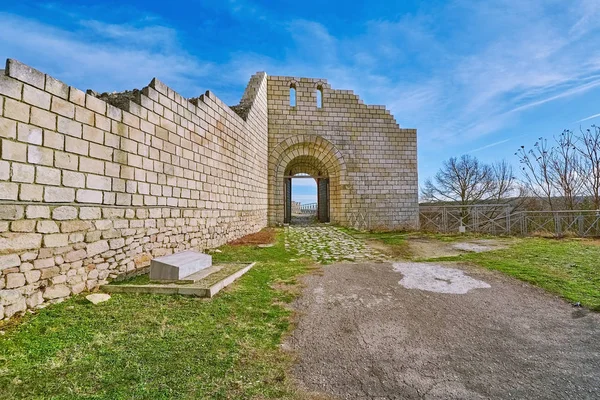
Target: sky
x,y
476,77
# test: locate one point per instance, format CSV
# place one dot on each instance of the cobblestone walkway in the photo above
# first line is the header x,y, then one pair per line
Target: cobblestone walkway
x,y
327,244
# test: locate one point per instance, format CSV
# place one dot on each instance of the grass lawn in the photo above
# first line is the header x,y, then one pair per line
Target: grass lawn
x,y
567,267
160,347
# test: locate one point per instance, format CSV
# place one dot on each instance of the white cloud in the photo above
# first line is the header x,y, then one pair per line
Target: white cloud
x,y
104,57
588,118
487,146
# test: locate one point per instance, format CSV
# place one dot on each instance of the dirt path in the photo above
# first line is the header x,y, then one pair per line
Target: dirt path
x,y
363,335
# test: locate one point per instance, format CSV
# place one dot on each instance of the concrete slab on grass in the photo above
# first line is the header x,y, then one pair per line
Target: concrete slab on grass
x,y
199,288
177,266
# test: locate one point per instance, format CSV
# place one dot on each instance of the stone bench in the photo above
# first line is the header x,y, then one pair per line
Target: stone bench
x,y
175,267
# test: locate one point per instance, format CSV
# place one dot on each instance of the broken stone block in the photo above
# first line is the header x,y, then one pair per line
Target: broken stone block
x,y
97,297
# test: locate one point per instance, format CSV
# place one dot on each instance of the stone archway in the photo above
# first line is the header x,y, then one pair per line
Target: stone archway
x,y
312,155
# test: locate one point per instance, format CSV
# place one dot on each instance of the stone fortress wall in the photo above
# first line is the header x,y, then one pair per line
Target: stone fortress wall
x,y
94,186
89,190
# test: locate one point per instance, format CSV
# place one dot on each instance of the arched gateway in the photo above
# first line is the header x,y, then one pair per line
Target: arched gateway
x,y
316,157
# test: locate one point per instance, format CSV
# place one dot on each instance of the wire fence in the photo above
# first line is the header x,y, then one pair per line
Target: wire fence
x,y
499,219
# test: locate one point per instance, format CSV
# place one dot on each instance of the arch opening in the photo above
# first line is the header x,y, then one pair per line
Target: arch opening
x,y
319,96
306,157
292,95
304,206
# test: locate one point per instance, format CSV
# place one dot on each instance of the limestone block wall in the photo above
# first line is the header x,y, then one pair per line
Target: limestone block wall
x,y
373,160
90,189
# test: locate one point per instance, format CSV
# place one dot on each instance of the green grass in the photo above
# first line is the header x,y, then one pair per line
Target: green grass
x,y
160,347
568,267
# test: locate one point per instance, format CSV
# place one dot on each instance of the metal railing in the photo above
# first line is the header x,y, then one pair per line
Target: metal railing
x,y
498,219
309,208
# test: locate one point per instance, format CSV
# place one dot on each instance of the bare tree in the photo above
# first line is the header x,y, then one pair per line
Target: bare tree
x,y
566,168
589,148
464,180
505,184
536,164
554,173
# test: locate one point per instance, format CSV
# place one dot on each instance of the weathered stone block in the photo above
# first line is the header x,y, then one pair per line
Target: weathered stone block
x,y
56,240
29,134
8,128
75,255
43,118
89,196
15,308
29,256
90,213
34,299
75,226
97,248
26,74
73,179
12,212
16,242
63,107
16,110
95,104
4,170
47,227
49,272
33,276
40,155
44,263
78,288
36,97
76,96
15,280
9,261
56,87
68,127
77,146
31,192
64,213
56,292
116,243
47,176
22,226
98,182
10,87
9,191
59,195
54,140
14,151
23,173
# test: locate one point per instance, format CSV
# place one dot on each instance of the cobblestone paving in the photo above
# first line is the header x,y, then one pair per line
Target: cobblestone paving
x,y
327,244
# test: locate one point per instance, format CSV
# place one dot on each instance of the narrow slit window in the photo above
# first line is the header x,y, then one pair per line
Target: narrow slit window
x,y
292,95
319,97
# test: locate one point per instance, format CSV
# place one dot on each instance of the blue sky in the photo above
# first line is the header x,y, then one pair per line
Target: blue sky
x,y
478,77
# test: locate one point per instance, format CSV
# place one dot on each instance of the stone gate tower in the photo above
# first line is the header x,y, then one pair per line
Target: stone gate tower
x,y
364,163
